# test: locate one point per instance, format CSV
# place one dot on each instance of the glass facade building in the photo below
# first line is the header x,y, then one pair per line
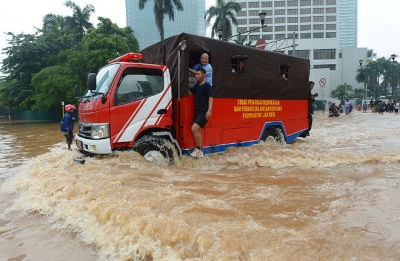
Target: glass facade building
x,y
347,23
190,20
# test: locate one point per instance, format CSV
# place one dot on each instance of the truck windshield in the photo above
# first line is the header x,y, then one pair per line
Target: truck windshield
x,y
104,79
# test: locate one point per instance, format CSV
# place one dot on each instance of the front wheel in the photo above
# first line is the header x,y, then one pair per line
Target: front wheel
x,y
155,149
274,135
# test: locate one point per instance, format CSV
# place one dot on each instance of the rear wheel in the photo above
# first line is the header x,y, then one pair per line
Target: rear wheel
x,y
155,149
274,135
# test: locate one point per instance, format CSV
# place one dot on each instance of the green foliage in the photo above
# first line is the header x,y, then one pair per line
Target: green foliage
x,y
342,91
380,76
358,94
52,85
161,8
42,69
225,15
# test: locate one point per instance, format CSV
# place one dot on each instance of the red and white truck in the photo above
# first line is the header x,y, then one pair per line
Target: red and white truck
x,y
141,101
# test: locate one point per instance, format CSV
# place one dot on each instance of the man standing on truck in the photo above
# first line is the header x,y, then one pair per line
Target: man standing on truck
x,y
203,101
204,59
310,110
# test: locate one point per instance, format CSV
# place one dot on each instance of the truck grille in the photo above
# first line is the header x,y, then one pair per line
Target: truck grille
x,y
84,129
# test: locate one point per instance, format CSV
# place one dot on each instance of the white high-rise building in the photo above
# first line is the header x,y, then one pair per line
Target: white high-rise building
x,y
190,20
322,30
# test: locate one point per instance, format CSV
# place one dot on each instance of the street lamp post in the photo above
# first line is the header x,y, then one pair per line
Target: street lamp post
x,y
366,89
393,56
262,20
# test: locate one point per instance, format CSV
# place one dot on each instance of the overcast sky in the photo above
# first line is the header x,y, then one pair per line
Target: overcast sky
x,y
378,21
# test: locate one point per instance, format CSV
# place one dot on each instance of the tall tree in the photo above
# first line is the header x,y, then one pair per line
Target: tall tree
x,y
79,21
55,83
225,15
161,8
342,91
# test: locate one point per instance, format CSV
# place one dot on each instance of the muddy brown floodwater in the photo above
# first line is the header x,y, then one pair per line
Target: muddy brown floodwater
x,y
332,196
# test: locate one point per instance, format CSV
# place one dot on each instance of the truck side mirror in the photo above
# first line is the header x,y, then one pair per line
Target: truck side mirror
x,y
91,81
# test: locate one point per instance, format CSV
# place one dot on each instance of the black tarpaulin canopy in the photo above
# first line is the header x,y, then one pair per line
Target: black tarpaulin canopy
x,y
262,77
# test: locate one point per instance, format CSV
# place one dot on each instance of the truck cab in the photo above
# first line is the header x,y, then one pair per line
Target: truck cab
x,y
124,100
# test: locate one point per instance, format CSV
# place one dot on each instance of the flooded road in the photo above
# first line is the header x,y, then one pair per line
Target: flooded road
x,y
332,196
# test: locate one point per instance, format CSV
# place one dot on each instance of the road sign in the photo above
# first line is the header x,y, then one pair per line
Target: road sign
x,y
322,82
260,44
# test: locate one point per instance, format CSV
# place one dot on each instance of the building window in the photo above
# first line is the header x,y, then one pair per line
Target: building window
x,y
305,2
293,28
254,20
324,54
254,13
301,53
242,13
331,18
254,37
268,12
305,36
241,21
266,4
318,19
329,66
318,10
330,34
318,27
331,10
254,4
280,36
293,20
279,3
241,29
254,28
292,11
280,20
305,11
280,28
293,3
318,35
280,12
306,19
330,2
267,36
331,27
268,28
306,27
318,2
243,5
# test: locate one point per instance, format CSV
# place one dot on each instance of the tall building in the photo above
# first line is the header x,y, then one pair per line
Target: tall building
x,y
190,20
320,28
347,23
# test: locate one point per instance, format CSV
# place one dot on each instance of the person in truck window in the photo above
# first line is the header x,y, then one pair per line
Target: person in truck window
x,y
203,111
204,63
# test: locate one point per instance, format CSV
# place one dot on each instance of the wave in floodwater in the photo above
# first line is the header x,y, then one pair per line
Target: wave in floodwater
x,y
331,196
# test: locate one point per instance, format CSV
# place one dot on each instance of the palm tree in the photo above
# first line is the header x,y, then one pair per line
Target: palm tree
x,y
225,16
342,91
161,8
79,21
366,76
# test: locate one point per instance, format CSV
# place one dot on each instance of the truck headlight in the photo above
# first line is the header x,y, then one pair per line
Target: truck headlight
x,y
99,131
